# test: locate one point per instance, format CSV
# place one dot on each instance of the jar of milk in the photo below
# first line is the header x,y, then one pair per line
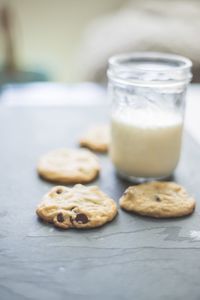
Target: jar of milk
x,y
148,101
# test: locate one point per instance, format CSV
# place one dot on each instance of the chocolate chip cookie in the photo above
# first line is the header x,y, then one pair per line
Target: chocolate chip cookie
x,y
69,166
79,207
158,199
96,138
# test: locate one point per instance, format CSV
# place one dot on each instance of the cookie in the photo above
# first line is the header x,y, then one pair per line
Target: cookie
x,y
158,199
77,207
69,166
96,138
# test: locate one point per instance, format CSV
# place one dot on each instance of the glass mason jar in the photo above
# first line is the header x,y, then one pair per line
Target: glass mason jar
x,y
148,102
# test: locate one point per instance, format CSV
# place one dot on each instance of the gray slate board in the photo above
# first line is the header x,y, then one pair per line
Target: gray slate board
x,y
131,258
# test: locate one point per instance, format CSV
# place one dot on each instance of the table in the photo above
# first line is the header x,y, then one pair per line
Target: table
x,y
131,258
85,93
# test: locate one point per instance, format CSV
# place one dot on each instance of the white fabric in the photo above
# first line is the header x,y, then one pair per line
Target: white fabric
x,y
159,25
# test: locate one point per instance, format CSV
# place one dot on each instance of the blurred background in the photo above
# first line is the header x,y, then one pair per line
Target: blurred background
x,y
70,41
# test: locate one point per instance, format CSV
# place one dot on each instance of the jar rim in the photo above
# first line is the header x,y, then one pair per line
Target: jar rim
x,y
122,61
149,69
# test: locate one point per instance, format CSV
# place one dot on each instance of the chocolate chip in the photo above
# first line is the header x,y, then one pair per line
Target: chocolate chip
x,y
81,218
59,191
157,198
60,217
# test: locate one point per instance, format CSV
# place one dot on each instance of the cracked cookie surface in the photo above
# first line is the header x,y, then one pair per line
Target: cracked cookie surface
x,y
158,199
96,138
69,166
76,207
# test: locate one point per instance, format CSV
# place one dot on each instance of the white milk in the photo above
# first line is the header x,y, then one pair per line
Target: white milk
x,y
145,144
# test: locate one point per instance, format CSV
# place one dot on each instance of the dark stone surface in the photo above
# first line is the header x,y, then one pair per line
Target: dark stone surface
x,y
131,258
